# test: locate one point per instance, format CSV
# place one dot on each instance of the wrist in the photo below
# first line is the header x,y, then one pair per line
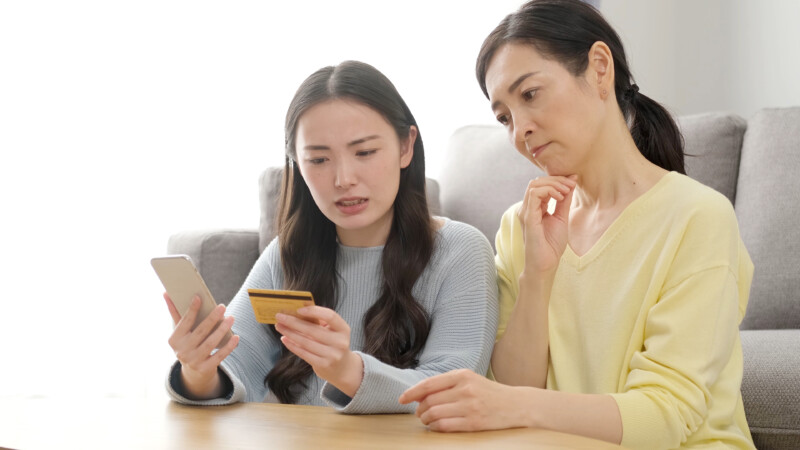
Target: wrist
x,y
351,375
531,274
530,404
200,385
536,286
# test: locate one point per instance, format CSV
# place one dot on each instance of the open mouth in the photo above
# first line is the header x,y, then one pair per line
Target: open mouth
x,y
351,202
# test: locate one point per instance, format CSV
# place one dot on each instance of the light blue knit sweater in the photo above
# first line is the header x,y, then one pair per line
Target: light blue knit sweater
x,y
458,289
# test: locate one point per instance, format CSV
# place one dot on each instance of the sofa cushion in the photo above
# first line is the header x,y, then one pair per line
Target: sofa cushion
x,y
482,175
269,189
766,205
771,387
713,143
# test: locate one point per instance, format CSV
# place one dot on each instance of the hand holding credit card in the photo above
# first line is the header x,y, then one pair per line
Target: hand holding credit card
x,y
266,303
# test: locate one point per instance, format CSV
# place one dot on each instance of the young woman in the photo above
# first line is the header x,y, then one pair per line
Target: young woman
x,y
399,295
620,309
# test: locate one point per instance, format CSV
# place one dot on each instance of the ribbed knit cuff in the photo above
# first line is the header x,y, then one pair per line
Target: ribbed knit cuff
x,y
377,394
177,393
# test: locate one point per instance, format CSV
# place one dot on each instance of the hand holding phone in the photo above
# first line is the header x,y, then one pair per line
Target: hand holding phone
x,y
199,368
196,334
183,283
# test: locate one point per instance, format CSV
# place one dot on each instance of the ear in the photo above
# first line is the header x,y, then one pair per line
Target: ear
x,y
600,70
407,147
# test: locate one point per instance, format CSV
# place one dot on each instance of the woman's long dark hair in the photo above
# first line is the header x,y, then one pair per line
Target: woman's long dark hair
x,y
564,31
397,326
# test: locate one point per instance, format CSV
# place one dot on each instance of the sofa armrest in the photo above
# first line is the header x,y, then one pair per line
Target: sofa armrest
x,y
771,387
223,257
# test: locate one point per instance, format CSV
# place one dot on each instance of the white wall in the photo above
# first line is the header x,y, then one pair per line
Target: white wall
x,y
712,55
124,122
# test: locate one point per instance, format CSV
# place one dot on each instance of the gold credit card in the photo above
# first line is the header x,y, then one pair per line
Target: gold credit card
x,y
266,303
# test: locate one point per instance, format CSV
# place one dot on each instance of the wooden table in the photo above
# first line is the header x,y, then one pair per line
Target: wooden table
x,y
149,424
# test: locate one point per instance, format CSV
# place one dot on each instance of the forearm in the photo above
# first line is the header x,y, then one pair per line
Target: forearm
x,y
520,356
378,390
382,383
592,415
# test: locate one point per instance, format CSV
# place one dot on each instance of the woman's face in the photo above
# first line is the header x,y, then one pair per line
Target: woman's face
x,y
553,118
350,158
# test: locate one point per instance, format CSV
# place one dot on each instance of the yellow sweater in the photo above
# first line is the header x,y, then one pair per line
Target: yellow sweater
x,y
650,315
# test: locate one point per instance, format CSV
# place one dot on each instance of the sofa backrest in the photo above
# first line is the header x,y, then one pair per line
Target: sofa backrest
x,y
483,176
712,143
769,217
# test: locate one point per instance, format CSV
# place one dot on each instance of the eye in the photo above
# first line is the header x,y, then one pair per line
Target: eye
x,y
529,94
366,152
503,119
316,161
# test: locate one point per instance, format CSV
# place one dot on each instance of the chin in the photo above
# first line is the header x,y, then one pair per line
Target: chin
x,y
556,171
352,223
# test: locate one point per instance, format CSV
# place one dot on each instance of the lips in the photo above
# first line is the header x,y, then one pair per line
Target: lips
x,y
351,202
352,205
537,150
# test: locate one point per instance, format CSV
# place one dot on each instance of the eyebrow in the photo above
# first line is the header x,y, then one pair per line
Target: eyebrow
x,y
349,144
515,85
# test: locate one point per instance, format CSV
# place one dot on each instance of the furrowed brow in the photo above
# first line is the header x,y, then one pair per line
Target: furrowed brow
x,y
362,140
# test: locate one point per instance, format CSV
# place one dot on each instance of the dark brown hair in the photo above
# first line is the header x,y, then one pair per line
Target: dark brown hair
x,y
564,31
396,327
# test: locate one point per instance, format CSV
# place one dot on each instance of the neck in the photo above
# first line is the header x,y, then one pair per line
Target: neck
x,y
616,173
373,235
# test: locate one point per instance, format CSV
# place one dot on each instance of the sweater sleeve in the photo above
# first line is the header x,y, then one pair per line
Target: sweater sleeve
x,y
690,353
256,353
463,324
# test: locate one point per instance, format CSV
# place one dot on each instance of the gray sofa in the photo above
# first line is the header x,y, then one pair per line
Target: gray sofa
x,y
755,163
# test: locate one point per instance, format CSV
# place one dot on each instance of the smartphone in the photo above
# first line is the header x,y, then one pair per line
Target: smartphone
x,y
183,282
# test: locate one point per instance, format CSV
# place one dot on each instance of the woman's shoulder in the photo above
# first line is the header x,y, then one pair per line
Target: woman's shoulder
x,y
684,184
461,252
686,196
455,238
272,250
700,220
270,258
454,231
509,234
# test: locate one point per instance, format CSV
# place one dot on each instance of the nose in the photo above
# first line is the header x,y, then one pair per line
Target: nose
x,y
523,128
345,175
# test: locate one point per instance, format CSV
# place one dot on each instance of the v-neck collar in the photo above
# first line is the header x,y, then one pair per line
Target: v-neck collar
x,y
627,216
